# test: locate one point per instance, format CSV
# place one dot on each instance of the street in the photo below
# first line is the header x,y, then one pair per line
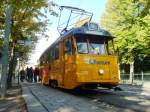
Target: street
x,y
100,100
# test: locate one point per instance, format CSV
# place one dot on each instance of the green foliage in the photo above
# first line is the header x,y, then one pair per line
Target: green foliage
x,y
128,20
27,19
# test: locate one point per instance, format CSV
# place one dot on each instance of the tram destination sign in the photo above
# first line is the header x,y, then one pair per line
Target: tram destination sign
x,y
94,61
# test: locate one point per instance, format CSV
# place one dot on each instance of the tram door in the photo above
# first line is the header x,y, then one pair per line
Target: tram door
x,y
69,60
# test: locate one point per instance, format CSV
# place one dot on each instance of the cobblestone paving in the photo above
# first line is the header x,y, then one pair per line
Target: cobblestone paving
x,y
56,100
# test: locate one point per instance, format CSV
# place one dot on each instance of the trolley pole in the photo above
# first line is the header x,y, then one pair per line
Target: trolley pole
x,y
5,52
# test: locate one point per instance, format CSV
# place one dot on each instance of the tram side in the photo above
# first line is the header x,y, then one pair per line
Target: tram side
x,y
57,65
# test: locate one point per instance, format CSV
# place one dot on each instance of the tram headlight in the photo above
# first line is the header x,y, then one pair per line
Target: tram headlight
x,y
101,71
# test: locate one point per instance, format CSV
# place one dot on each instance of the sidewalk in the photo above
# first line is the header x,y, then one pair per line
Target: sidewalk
x,y
33,105
146,85
19,98
13,102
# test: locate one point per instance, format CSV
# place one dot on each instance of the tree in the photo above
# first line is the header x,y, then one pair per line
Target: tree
x,y
27,19
128,20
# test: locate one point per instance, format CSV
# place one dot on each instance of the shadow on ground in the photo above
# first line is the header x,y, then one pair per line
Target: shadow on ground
x,y
13,101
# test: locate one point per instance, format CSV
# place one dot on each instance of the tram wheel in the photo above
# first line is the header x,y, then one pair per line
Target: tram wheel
x,y
53,83
118,89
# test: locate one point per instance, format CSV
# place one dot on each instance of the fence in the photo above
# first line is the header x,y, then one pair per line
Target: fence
x,y
138,78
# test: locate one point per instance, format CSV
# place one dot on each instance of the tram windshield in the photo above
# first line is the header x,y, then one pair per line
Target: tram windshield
x,y
94,45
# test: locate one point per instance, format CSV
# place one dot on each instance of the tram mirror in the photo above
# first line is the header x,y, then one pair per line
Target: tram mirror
x,y
111,49
117,51
110,52
74,48
66,50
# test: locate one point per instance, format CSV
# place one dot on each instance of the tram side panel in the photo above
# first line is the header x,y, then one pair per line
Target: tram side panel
x,y
70,72
62,68
55,65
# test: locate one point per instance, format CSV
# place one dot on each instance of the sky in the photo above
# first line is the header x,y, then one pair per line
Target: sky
x,y
97,7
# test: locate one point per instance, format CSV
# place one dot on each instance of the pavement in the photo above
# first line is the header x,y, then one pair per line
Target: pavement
x,y
44,99
13,101
146,85
33,105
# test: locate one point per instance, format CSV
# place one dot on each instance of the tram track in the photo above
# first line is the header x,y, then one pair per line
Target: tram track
x,y
106,98
36,97
113,99
116,101
92,95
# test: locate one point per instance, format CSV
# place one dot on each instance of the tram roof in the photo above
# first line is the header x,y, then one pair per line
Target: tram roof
x,y
86,30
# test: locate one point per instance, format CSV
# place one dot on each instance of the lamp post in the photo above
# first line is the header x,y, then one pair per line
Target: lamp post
x,y
5,51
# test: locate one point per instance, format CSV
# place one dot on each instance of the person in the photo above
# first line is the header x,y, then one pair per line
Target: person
x,y
30,74
36,74
22,75
96,50
27,73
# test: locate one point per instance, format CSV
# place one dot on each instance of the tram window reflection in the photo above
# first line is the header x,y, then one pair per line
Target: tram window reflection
x,y
95,48
82,47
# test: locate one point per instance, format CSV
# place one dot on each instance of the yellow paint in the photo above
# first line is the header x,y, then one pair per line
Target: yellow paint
x,y
89,73
71,71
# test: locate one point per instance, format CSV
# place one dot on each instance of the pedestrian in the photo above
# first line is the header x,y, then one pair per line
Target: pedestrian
x,y
27,73
36,74
22,75
30,74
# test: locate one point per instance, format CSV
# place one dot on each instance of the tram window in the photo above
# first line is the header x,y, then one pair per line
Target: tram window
x,y
57,51
68,47
48,56
97,48
51,54
90,44
82,45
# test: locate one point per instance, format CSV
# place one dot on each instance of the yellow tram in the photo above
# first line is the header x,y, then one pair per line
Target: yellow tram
x,y
82,56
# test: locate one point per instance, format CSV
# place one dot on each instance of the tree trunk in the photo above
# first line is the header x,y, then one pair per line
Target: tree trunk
x,y
11,67
10,73
131,72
